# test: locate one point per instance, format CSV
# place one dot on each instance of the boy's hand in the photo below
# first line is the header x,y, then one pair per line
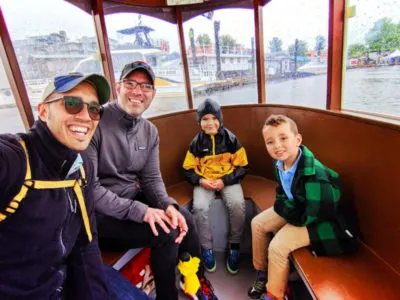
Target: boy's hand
x,y
218,184
207,184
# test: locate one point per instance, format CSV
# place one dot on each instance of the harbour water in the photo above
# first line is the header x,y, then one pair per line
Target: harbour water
x,y
373,90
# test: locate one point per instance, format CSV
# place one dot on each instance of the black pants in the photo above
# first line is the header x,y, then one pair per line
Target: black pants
x,y
117,235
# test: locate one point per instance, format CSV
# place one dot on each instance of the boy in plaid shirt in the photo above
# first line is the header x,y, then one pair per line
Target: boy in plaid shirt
x,y
305,213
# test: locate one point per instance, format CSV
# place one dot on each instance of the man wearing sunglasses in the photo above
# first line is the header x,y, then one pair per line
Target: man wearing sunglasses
x,y
134,209
48,236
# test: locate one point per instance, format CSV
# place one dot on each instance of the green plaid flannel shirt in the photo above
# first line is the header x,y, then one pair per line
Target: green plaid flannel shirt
x,y
316,192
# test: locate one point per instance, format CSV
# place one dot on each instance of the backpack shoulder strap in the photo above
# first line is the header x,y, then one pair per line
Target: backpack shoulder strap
x,y
14,204
47,184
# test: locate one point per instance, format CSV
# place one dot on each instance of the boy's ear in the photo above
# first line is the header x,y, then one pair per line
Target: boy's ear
x,y
299,139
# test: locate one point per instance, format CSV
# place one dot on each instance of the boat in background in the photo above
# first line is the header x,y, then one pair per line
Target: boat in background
x,y
314,68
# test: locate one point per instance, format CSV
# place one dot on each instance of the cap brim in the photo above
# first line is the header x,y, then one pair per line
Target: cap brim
x,y
138,68
100,83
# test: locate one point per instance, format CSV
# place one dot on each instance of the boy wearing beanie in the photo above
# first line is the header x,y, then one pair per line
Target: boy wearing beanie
x,y
216,162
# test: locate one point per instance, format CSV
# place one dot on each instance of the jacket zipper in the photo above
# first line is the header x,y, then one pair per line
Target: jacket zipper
x,y
63,249
68,209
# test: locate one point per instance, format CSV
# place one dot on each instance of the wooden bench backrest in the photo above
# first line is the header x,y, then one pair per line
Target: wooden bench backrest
x,y
364,152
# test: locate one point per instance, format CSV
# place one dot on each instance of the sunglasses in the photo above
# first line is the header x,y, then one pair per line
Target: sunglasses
x,y
74,105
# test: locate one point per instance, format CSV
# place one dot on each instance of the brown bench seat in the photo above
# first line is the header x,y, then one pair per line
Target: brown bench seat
x,y
256,188
359,276
110,258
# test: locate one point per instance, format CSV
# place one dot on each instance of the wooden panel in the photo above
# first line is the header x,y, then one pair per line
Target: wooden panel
x,y
364,152
102,38
110,258
260,190
349,277
184,57
259,35
176,131
335,51
155,3
182,192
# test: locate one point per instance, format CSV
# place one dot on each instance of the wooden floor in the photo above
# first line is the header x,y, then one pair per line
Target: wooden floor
x,y
234,287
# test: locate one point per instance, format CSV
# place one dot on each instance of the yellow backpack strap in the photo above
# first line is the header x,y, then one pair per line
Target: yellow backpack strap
x,y
83,175
76,185
42,184
14,204
81,201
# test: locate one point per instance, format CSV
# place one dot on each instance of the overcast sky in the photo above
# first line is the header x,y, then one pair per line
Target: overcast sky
x,y
286,19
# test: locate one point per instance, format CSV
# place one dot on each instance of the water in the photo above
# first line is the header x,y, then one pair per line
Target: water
x,y
372,90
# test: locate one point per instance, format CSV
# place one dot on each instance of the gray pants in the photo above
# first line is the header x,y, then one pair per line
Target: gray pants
x,y
233,197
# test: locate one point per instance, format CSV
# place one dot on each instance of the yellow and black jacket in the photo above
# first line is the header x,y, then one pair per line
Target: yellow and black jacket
x,y
215,156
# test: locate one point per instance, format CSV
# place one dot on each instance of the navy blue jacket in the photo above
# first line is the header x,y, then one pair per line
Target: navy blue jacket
x,y
44,249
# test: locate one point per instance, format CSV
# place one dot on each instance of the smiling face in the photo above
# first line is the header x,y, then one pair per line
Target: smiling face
x,y
282,143
73,131
209,124
135,101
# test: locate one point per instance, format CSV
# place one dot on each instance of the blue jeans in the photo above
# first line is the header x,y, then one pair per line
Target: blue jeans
x,y
121,288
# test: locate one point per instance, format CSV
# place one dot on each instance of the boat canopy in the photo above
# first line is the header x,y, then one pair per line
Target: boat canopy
x,y
395,54
160,10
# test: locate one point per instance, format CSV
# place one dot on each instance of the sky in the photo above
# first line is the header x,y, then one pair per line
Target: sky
x,y
286,19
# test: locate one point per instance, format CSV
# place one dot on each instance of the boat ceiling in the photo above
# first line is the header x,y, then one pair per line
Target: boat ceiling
x,y
159,9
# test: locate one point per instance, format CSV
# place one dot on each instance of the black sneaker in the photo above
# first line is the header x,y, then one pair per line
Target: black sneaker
x,y
257,289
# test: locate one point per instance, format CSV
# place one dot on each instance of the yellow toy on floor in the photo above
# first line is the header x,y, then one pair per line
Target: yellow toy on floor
x,y
188,267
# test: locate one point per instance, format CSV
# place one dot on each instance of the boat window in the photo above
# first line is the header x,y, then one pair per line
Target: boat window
x,y
139,37
372,75
47,40
295,45
10,120
221,56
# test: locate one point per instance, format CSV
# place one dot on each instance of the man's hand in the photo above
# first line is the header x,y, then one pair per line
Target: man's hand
x,y
177,219
155,216
207,184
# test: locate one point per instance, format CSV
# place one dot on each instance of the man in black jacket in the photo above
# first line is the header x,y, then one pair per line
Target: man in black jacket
x,y
48,235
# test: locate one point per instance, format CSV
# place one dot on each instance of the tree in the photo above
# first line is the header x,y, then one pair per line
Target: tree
x,y
383,36
227,42
203,40
320,43
192,46
302,48
355,50
275,45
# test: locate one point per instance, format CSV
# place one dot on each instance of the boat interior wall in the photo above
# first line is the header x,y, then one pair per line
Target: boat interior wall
x,y
159,9
176,131
364,152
